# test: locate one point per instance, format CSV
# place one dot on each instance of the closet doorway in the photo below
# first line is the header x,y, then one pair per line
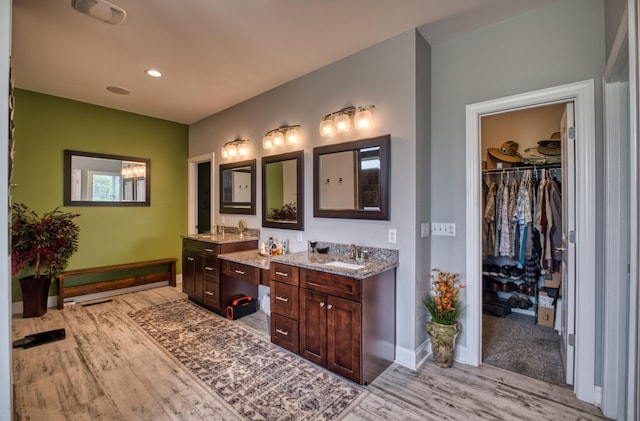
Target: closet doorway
x,y
522,259
580,336
201,184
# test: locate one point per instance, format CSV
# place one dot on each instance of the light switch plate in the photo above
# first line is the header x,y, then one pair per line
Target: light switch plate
x,y
299,237
444,229
424,229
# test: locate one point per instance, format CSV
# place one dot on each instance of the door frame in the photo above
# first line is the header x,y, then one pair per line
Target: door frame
x,y
192,195
583,95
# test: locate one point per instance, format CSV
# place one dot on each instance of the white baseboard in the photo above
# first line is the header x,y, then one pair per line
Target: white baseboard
x,y
52,301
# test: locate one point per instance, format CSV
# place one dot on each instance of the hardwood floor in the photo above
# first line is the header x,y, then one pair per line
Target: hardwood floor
x,y
108,369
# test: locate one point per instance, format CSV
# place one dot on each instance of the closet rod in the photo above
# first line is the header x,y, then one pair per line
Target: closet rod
x,y
522,169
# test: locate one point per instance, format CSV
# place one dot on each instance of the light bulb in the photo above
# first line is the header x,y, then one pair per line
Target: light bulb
x,y
225,152
277,138
326,127
232,150
243,149
363,119
292,136
343,123
267,142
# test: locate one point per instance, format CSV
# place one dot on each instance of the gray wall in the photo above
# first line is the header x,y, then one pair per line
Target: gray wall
x,y
383,75
613,10
558,44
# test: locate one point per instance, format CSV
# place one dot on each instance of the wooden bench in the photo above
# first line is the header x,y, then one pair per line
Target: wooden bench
x,y
74,291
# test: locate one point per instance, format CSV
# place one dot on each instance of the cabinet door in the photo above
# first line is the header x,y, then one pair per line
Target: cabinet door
x,y
313,326
344,337
192,275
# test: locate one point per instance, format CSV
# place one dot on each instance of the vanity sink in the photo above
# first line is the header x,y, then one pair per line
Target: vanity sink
x,y
344,265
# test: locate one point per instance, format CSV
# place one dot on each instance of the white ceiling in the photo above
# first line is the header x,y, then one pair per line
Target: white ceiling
x,y
216,53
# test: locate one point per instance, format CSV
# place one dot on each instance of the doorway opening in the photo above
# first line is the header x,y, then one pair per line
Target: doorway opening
x,y
201,185
578,322
522,215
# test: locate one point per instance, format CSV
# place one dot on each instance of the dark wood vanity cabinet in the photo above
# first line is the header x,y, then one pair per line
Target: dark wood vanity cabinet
x,y
201,278
344,324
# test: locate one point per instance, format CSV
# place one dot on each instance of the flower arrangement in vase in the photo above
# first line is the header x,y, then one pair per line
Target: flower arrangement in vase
x,y
444,306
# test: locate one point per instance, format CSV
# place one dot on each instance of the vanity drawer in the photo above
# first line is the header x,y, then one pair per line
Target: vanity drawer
x,y
192,245
284,299
285,273
211,269
212,294
331,284
210,249
284,332
241,271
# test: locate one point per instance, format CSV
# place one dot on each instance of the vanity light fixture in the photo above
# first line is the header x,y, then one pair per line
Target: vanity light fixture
x,y
340,121
133,171
278,137
235,147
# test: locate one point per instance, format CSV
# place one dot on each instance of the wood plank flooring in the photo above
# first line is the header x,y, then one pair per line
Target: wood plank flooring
x,y
108,369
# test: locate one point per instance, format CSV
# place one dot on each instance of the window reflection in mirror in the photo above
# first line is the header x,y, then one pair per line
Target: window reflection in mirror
x,y
92,179
351,180
282,191
238,187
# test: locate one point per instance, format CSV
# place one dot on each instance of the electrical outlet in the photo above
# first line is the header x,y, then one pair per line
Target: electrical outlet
x,y
424,229
299,238
392,236
443,229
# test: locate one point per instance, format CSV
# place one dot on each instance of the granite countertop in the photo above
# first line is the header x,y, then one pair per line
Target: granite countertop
x,y
221,239
247,257
317,261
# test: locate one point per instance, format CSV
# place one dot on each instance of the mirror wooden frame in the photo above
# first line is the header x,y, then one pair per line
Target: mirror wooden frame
x,y
298,156
242,208
68,161
384,142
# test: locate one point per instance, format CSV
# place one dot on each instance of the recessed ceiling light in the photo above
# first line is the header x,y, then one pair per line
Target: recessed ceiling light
x,y
153,73
118,90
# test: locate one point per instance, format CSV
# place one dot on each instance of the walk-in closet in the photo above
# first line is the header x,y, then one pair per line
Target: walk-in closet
x,y
522,172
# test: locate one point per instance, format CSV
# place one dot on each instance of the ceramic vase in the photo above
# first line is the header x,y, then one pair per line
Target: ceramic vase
x,y
443,342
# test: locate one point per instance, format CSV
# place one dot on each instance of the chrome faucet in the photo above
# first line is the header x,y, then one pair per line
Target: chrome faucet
x,y
353,251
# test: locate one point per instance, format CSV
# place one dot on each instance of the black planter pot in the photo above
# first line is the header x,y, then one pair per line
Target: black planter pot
x,y
35,293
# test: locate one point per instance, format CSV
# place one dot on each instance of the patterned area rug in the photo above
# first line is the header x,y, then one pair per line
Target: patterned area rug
x,y
258,379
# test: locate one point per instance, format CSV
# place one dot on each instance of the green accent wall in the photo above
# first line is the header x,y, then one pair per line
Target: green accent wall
x,y
275,198
46,125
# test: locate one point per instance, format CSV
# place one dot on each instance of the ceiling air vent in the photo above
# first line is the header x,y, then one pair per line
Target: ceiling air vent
x,y
101,10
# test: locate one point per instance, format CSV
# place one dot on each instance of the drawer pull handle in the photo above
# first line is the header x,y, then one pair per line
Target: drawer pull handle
x,y
209,250
282,274
329,306
321,304
285,299
239,272
282,332
208,268
191,259
209,293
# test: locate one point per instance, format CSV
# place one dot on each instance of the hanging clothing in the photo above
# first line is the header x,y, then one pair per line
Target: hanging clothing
x,y
489,240
505,224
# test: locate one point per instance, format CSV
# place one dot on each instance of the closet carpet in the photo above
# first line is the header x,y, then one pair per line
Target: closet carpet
x,y
517,344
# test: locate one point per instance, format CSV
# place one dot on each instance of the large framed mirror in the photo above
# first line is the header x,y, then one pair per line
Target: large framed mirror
x,y
351,180
282,191
95,179
238,187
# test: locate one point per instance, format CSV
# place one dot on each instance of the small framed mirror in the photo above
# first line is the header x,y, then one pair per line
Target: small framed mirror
x,y
94,179
282,191
351,180
238,187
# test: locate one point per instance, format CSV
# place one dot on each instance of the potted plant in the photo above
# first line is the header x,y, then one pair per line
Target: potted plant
x,y
45,244
444,306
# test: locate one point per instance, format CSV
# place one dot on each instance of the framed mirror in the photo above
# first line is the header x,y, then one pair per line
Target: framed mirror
x,y
238,187
94,179
351,180
282,191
